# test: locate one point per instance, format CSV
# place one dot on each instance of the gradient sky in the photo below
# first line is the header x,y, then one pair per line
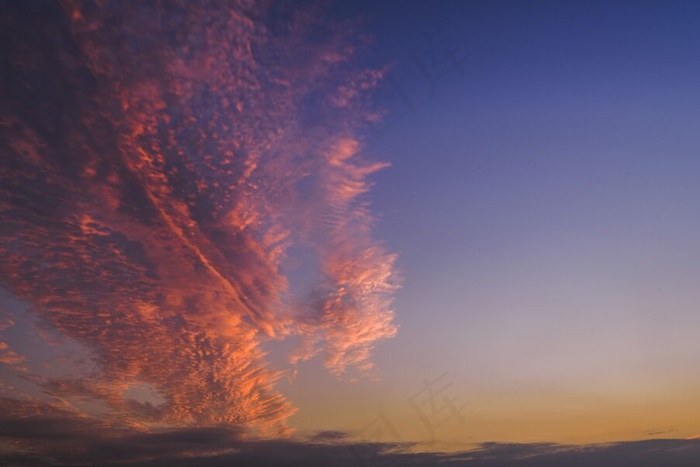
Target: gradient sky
x,y
290,220
543,207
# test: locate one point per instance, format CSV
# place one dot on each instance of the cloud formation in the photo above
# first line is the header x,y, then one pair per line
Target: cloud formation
x,y
36,434
160,160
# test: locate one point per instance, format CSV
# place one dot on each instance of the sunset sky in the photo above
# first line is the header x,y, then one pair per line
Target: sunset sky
x,y
341,228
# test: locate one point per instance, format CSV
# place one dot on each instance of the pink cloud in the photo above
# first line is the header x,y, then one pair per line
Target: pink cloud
x,y
154,227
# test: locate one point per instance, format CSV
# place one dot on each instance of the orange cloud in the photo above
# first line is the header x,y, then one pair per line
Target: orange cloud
x,y
158,173
353,301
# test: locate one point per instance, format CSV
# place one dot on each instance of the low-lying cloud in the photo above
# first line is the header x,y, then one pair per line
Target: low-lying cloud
x,y
40,435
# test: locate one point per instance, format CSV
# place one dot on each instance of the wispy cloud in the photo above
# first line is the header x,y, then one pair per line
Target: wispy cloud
x,y
352,305
158,165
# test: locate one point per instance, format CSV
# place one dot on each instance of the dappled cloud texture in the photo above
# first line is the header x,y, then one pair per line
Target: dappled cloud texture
x,y
160,161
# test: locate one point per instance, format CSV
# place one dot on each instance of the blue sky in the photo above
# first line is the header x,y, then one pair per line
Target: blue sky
x,y
186,189
543,205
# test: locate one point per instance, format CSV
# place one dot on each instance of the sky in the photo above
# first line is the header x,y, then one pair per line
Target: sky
x,y
374,232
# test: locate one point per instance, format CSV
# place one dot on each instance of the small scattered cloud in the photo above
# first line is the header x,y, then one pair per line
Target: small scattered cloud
x,y
328,436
